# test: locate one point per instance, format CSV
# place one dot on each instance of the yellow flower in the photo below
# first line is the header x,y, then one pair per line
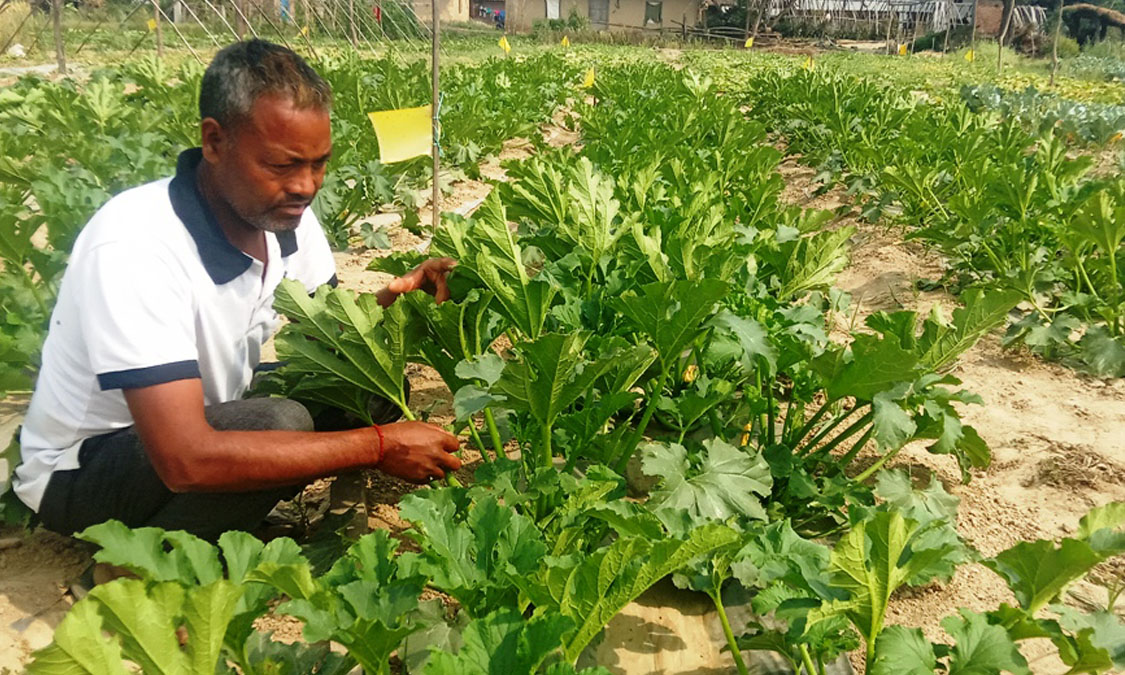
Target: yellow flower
x,y
690,373
745,435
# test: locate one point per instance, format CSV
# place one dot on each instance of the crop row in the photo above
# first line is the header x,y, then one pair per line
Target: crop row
x,y
1001,194
647,297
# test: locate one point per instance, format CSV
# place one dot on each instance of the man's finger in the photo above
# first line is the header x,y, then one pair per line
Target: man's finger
x,y
450,462
450,443
441,292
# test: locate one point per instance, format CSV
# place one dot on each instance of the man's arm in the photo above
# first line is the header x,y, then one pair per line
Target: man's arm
x,y
430,277
190,456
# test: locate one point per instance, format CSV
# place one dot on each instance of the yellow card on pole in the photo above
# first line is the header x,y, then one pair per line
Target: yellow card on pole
x,y
588,81
902,50
403,134
305,31
749,43
503,42
152,24
969,56
565,41
808,64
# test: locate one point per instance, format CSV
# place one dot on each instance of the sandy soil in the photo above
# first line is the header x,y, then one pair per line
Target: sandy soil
x,y
1056,436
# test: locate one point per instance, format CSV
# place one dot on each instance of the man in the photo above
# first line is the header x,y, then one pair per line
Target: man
x,y
162,315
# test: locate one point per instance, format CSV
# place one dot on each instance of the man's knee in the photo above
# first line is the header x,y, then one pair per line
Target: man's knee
x,y
260,414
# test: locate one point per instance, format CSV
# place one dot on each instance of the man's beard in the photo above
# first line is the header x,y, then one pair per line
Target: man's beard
x,y
270,221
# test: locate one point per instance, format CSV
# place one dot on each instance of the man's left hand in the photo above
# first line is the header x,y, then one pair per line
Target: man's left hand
x,y
430,277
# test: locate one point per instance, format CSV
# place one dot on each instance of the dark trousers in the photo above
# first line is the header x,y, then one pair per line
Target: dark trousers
x,y
115,479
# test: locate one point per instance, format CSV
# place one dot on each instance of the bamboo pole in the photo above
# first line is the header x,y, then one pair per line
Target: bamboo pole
x,y
56,21
180,35
241,22
351,24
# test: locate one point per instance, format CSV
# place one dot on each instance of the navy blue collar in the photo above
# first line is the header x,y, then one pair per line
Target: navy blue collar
x,y
222,259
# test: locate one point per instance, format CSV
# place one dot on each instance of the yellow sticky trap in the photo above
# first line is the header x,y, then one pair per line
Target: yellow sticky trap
x,y
902,50
503,42
151,25
565,41
808,64
304,31
403,134
588,81
749,43
969,56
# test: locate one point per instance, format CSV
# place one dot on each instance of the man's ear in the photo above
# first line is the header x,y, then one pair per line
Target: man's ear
x,y
214,139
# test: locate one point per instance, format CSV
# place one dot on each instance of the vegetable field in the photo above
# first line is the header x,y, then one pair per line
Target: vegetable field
x,y
837,366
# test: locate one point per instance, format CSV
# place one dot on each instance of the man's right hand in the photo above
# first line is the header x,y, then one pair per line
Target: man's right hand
x,y
418,452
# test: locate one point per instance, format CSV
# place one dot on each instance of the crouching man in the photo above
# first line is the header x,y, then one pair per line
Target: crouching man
x,y
165,305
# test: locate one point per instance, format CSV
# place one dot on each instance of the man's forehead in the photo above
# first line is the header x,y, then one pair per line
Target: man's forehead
x,y
276,122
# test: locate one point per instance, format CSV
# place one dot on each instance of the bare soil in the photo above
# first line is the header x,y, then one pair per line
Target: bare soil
x,y
1056,435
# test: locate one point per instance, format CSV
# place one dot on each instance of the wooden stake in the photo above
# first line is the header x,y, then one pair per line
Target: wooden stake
x,y
351,24
158,29
973,36
240,21
434,110
56,20
1004,34
1055,46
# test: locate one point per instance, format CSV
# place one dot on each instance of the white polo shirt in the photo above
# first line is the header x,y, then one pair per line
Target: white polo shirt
x,y
154,292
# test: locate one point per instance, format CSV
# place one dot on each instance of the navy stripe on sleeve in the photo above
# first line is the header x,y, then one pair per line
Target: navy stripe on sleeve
x,y
334,281
146,377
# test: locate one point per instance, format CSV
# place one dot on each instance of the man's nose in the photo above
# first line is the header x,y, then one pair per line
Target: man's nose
x,y
303,183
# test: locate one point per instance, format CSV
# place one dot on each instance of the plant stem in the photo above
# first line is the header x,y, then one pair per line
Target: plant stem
x,y
547,454
494,433
845,434
806,660
735,652
770,419
634,438
478,442
856,447
807,427
876,466
828,428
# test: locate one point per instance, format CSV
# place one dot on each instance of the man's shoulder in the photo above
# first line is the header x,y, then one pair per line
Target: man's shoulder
x,y
139,215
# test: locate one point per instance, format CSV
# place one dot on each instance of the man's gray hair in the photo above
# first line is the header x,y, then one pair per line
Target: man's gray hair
x,y
242,72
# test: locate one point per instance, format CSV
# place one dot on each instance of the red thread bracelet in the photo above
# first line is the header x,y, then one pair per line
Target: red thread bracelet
x,y
379,431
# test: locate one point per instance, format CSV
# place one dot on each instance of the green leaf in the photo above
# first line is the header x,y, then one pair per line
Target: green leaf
x,y
486,367
932,503
1104,630
142,551
870,366
870,562
502,643
599,587
1038,571
470,400
671,314
1102,352
79,646
342,343
981,647
1104,528
724,485
473,554
145,622
208,611
752,337
893,426
941,344
548,375
485,246
903,651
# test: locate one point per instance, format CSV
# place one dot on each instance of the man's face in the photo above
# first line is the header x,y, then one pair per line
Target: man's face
x,y
271,165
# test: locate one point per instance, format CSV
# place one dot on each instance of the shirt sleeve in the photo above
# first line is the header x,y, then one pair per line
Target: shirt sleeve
x,y
313,263
138,318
